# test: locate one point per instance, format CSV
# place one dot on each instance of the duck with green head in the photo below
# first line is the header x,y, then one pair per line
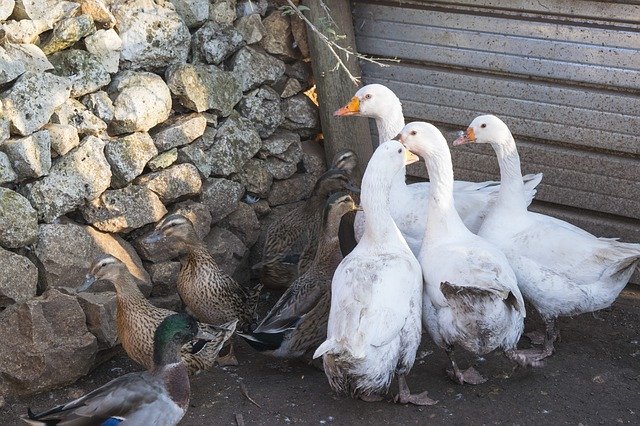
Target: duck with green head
x,y
159,396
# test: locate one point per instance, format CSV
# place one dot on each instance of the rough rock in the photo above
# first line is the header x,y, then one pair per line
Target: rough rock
x,y
250,7
82,174
6,8
105,45
213,43
64,137
163,160
51,10
5,127
99,11
30,156
278,39
19,278
73,113
127,156
281,169
261,207
141,101
171,302
18,220
278,143
301,71
164,276
300,40
221,196
86,72
236,141
255,177
100,312
244,223
67,250
197,213
301,115
67,32
32,100
100,105
254,68
178,131
204,87
250,28
6,171
193,12
197,155
29,55
25,31
123,210
262,107
10,68
222,12
46,344
290,88
153,34
175,182
226,249
291,190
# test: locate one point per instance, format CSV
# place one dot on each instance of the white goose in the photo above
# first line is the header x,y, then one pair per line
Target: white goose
x,y
561,269
471,294
374,323
409,202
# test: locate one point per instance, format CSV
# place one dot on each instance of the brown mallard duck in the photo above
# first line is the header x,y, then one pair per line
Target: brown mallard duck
x,y
302,223
298,321
137,319
209,294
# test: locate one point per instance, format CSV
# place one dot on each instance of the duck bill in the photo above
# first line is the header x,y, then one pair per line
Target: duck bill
x,y
467,137
410,157
352,108
89,280
153,238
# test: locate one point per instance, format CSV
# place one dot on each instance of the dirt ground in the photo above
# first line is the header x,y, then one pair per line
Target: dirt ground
x,y
594,378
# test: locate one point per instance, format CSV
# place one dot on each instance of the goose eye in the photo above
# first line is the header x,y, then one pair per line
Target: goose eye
x,y
367,96
483,125
400,151
413,133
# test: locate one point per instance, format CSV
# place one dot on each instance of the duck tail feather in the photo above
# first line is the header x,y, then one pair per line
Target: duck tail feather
x,y
263,341
327,347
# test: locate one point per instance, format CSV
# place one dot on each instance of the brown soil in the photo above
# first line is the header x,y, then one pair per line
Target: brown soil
x,y
594,378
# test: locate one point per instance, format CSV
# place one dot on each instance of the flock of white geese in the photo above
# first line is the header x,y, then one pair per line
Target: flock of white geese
x,y
457,258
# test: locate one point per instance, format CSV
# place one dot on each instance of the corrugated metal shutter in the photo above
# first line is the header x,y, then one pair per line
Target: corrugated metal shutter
x,y
563,74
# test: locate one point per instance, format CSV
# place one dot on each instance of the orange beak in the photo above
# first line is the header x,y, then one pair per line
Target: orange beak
x,y
468,137
352,108
410,157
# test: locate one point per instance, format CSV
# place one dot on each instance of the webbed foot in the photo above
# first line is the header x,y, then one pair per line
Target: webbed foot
x,y
470,375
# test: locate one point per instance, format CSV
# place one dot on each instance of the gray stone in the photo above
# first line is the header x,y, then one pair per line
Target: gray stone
x,y
213,43
255,177
236,141
181,180
226,248
29,55
85,71
67,32
301,71
10,68
301,115
262,107
197,213
46,344
278,143
261,207
221,196
153,34
6,8
281,169
278,39
163,160
18,220
254,68
67,250
178,131
300,40
5,127
293,154
30,156
99,11
171,302
290,88
193,12
164,276
141,101
50,10
100,105
251,28
222,12
251,7
19,278
243,222
204,87
64,137
73,113
32,100
197,155
6,171
100,312
291,190
82,174
127,156
123,210
106,46
25,31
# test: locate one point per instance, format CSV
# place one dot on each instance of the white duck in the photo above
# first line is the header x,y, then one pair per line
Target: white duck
x,y
561,269
471,294
409,202
374,323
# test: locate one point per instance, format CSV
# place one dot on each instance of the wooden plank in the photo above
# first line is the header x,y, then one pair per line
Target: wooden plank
x,y
333,85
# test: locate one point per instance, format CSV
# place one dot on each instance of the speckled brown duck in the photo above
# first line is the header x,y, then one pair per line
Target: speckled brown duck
x,y
137,319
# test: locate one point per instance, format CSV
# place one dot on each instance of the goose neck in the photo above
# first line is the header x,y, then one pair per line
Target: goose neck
x,y
390,124
511,185
375,203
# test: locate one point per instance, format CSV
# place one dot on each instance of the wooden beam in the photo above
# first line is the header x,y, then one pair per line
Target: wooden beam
x,y
333,85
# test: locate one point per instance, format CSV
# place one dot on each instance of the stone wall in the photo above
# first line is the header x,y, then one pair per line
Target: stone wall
x,y
115,112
